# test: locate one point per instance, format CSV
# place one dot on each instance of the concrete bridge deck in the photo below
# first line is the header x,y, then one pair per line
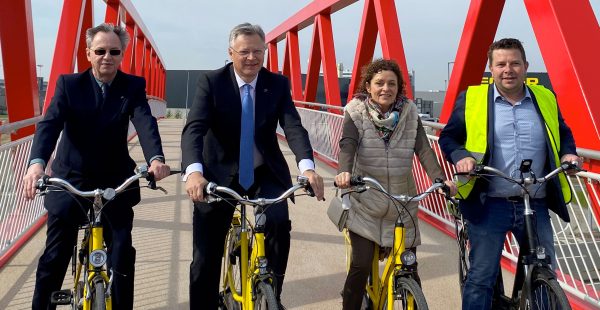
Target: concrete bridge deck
x,y
163,238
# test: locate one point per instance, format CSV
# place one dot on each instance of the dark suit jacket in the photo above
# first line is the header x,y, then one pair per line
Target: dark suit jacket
x,y
212,133
93,151
452,142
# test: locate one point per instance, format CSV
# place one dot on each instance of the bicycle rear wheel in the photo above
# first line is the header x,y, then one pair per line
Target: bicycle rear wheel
x,y
98,294
265,297
546,293
408,295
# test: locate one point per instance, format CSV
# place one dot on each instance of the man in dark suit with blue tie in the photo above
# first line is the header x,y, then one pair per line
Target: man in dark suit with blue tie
x,y
93,110
230,139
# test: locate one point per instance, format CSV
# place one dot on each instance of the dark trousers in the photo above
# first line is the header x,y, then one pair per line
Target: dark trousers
x,y
210,225
360,268
61,237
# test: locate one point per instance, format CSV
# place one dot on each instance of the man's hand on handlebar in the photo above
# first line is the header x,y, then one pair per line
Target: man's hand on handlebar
x,y
466,165
316,182
194,186
572,158
34,173
159,170
451,188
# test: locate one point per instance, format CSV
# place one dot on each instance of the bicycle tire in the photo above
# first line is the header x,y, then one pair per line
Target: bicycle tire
x,y
232,267
77,296
98,294
348,248
463,257
265,297
405,289
545,293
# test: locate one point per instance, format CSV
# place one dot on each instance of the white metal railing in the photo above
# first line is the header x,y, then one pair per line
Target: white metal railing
x,y
18,216
577,243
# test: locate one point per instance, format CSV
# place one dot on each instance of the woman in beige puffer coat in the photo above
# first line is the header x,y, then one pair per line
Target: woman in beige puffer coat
x,y
381,134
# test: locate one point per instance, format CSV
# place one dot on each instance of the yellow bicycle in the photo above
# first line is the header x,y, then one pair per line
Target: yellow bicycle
x,y
91,282
395,287
247,281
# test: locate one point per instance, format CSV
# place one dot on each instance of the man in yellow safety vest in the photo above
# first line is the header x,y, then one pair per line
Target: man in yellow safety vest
x,y
500,125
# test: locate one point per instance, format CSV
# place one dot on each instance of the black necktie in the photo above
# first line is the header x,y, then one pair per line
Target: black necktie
x,y
104,91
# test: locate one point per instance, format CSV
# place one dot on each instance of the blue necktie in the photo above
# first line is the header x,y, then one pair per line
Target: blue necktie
x,y
247,140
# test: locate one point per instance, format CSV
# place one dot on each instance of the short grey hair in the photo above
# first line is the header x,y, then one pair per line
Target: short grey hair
x,y
107,27
245,29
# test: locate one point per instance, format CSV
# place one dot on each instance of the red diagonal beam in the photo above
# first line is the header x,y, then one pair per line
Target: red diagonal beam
x,y
272,61
112,12
390,38
568,35
88,13
294,62
471,58
67,41
367,37
18,55
314,64
330,78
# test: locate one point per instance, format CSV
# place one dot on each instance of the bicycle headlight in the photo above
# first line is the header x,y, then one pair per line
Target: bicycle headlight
x,y
408,258
98,258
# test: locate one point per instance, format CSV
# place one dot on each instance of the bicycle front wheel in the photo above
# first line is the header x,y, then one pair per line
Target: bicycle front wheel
x,y
546,293
98,294
463,257
265,297
408,295
231,268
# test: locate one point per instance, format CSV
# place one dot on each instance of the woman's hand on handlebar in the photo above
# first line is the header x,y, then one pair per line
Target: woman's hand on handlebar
x,y
194,186
34,173
342,180
159,170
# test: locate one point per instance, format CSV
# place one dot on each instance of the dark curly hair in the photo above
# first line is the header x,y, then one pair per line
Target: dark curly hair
x,y
506,44
378,65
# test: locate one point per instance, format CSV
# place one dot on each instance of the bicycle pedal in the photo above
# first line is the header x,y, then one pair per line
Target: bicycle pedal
x,y
63,297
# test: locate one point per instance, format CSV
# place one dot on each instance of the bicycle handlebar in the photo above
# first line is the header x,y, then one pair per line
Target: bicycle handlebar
x,y
365,183
212,188
108,193
482,169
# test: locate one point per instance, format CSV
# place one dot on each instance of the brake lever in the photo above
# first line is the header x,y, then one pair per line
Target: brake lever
x,y
160,188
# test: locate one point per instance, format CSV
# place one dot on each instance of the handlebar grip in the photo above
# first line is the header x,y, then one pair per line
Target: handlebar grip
x,y
42,182
151,181
356,180
310,190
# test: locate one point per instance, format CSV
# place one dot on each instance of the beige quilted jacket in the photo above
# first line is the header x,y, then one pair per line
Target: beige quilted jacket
x,y
372,215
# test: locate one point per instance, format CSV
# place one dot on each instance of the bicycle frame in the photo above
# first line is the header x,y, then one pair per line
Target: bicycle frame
x,y
96,240
382,288
255,271
89,263
533,259
249,274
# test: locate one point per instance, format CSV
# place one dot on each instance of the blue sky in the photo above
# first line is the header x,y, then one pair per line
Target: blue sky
x,y
193,34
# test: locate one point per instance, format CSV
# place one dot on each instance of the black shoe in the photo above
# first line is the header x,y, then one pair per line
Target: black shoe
x,y
280,306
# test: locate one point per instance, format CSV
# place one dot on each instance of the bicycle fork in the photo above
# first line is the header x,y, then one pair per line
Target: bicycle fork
x,y
95,261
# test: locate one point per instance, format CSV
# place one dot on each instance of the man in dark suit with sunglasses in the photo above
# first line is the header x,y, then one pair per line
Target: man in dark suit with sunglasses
x,y
93,110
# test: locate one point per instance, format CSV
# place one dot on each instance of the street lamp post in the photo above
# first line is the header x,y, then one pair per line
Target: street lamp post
x,y
449,63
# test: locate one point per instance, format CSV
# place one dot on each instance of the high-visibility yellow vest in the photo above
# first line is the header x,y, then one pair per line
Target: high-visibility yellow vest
x,y
476,122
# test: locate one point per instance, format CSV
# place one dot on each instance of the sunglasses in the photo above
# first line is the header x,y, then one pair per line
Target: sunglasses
x,y
101,52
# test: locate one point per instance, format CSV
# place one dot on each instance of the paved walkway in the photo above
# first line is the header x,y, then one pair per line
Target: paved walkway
x,y
162,236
